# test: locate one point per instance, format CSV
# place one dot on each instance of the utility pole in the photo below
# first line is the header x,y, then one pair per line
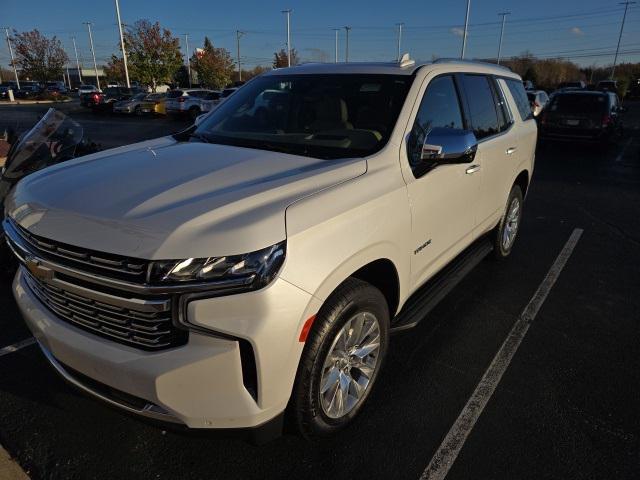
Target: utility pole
x,y
75,49
239,34
336,30
624,17
504,16
288,12
124,52
399,25
466,27
93,52
13,62
346,52
188,56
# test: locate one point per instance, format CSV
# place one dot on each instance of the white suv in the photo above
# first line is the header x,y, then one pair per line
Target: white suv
x,y
256,263
193,101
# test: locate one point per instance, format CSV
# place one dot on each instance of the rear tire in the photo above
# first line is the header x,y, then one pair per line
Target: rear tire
x,y
341,360
504,235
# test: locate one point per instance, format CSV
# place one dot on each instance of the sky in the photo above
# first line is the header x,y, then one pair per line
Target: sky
x,y
584,31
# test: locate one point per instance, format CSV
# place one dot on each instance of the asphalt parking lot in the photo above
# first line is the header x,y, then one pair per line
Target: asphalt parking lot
x,y
566,407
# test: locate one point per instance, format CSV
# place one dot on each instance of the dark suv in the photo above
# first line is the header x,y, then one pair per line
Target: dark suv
x,y
583,116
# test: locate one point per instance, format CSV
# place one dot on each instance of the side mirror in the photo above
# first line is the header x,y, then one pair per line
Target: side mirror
x,y
199,119
449,146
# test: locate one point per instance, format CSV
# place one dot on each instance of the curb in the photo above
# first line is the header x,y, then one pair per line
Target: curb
x,y
35,102
9,468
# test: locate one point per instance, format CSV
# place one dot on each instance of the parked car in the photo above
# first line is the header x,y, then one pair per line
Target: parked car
x,y
4,89
156,102
136,104
528,85
587,116
28,91
607,86
87,89
104,101
56,87
537,99
579,85
191,101
257,262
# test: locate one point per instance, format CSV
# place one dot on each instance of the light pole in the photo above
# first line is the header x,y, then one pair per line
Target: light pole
x,y
188,55
466,27
288,12
615,59
504,16
93,52
336,30
399,25
239,34
124,52
13,62
75,49
346,52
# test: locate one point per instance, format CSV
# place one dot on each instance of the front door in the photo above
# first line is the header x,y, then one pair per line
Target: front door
x,y
441,198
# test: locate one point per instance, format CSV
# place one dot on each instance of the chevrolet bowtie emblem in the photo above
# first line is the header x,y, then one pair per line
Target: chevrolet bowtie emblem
x,y
37,270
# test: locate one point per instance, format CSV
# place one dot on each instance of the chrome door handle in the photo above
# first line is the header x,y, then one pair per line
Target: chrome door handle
x,y
510,150
472,169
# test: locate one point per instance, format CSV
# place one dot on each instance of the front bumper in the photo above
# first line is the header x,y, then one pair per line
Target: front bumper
x,y
200,384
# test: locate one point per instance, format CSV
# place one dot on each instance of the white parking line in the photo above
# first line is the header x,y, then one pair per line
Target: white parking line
x,y
450,447
17,346
624,148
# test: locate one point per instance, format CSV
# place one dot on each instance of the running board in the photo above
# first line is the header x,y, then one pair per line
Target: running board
x,y
429,295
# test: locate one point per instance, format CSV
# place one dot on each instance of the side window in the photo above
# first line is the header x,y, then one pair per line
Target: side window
x,y
440,107
482,107
504,115
520,96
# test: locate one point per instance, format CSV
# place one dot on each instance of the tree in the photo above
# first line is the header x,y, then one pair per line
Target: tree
x,y
214,66
114,70
249,74
153,53
39,57
281,57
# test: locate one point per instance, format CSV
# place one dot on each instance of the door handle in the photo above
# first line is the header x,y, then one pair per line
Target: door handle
x,y
472,169
510,150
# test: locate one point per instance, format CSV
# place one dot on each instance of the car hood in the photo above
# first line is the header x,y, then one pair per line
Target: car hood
x,y
164,199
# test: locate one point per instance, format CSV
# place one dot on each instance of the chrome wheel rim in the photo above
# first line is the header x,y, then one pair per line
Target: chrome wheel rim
x,y
511,224
350,365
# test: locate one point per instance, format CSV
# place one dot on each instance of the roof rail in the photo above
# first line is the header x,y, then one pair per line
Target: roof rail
x,y
470,62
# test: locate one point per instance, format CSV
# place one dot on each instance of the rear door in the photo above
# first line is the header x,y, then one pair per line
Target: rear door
x,y
497,154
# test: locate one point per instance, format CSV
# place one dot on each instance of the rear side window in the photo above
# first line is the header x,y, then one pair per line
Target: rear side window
x,y
440,107
520,96
482,107
504,115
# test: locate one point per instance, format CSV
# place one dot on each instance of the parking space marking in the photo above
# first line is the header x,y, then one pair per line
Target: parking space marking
x,y
17,346
450,447
624,149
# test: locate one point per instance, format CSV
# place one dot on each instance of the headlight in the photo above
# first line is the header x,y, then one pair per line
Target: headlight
x,y
257,269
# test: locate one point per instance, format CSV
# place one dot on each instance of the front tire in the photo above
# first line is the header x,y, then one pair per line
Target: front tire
x,y
504,235
341,360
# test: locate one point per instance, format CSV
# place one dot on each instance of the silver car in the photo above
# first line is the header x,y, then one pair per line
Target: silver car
x,y
135,104
538,99
192,101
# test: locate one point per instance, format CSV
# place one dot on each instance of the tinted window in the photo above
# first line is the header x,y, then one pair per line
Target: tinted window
x,y
520,96
174,94
482,108
578,104
322,116
439,108
504,116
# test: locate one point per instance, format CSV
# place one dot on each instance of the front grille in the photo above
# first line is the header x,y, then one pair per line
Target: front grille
x,y
108,265
147,330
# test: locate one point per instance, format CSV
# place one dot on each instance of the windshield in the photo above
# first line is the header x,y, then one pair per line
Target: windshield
x,y
322,116
53,139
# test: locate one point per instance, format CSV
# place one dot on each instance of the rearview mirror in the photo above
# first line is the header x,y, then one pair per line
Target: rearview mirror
x,y
449,146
